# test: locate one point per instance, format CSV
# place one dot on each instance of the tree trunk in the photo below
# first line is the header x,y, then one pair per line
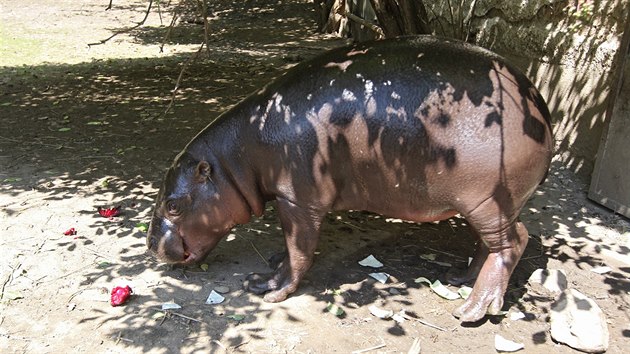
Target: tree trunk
x,y
401,17
331,16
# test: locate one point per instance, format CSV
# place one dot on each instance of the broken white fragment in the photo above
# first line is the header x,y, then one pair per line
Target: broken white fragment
x,y
431,258
214,298
370,261
504,345
170,306
399,317
554,280
439,289
380,277
578,322
517,315
601,270
380,313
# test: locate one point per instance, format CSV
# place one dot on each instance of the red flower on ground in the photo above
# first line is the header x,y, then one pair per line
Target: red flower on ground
x,y
120,295
70,232
109,212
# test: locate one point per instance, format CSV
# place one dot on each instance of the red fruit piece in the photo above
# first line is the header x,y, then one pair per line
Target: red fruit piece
x,y
120,294
109,212
70,232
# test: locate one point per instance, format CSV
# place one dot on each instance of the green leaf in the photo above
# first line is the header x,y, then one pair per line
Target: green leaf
x,y
12,179
334,309
103,264
204,267
66,129
464,292
438,288
142,226
236,317
94,122
158,315
4,104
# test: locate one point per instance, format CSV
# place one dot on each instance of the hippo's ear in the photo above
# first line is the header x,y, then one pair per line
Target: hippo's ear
x,y
203,171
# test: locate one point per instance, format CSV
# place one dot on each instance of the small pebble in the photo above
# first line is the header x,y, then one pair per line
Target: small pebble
x,y
222,289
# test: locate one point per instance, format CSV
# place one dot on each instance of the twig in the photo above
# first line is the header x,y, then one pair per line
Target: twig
x,y
146,15
220,344
36,143
416,348
109,7
256,249
100,254
181,74
374,28
167,35
423,322
177,314
119,338
206,27
369,349
445,253
257,231
353,225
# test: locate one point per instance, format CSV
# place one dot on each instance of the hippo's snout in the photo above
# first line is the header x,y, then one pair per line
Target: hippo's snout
x,y
165,242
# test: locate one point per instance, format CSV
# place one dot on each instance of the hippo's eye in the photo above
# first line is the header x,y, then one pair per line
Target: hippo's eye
x,y
172,208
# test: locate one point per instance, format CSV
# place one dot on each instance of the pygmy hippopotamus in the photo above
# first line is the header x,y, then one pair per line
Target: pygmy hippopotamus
x,y
417,128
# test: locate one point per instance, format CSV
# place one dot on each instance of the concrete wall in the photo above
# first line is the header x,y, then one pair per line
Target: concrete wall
x,y
567,48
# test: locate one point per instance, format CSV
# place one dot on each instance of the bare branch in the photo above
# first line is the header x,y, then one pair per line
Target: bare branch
x,y
181,74
374,28
146,15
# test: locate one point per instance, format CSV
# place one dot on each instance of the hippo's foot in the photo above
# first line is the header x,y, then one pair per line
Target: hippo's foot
x,y
478,305
277,285
457,276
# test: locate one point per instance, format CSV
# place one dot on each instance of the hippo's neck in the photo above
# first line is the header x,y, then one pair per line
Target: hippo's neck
x,y
222,143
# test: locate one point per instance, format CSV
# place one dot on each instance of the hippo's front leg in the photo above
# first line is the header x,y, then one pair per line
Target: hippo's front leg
x,y
301,232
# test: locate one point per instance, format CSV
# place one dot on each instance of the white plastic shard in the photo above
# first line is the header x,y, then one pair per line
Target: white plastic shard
x,y
601,270
380,313
170,306
370,261
504,345
214,298
380,277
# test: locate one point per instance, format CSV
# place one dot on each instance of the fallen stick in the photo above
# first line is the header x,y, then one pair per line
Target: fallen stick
x,y
177,314
368,349
423,322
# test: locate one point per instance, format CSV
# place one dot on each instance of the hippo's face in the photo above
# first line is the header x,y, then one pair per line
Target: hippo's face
x,y
191,212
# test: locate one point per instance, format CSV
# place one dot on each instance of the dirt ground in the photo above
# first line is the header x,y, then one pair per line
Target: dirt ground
x,y
82,127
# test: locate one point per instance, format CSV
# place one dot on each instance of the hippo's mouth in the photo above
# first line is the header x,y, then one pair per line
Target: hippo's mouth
x,y
193,256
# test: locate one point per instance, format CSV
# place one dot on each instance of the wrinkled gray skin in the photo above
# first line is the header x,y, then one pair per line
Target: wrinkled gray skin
x,y
416,128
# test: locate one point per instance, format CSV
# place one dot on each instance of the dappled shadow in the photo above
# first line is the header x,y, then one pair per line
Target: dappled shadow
x,y
115,153
568,49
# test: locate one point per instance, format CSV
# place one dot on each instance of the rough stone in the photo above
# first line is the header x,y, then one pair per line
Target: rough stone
x,y
554,280
578,322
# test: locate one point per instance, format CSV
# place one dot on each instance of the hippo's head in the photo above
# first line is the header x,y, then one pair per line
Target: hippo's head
x,y
193,211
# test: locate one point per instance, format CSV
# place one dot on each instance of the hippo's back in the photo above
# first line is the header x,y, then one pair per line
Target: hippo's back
x,y
410,121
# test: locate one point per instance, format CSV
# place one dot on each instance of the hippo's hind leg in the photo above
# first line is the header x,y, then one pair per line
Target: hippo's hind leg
x,y
301,232
457,277
505,238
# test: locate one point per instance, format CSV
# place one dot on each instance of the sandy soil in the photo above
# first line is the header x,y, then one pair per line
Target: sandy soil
x,y
82,127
